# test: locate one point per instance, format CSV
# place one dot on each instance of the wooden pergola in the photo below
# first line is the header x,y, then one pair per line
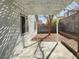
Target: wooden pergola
x,y
42,7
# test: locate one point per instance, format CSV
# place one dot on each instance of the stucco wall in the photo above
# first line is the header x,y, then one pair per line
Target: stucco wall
x,y
32,31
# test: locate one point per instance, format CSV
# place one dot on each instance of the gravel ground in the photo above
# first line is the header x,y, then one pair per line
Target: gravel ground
x,y
53,37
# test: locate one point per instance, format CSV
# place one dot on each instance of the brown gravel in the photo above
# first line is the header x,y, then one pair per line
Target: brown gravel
x,y
45,37
53,37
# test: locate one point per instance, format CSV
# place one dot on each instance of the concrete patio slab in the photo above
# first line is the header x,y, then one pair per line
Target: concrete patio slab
x,y
60,52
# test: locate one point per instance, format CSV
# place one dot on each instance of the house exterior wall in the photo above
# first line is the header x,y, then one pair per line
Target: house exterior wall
x,y
10,30
10,34
25,39
32,29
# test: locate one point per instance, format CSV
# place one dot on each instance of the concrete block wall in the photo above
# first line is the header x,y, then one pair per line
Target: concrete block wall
x,y
25,40
10,30
71,23
11,42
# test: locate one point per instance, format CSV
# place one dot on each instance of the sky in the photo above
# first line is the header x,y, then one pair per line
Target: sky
x,y
73,5
42,18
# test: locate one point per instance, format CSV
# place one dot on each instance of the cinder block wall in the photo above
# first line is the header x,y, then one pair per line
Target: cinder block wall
x,y
11,41
9,29
71,23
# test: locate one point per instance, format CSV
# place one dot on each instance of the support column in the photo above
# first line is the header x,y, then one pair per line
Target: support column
x,y
78,40
37,23
49,24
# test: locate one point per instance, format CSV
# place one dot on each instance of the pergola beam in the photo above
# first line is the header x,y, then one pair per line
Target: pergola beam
x,y
42,6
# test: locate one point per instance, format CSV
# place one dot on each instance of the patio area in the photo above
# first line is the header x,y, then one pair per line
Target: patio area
x,y
50,48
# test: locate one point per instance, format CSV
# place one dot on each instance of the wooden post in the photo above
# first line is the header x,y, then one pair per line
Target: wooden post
x,y
49,24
